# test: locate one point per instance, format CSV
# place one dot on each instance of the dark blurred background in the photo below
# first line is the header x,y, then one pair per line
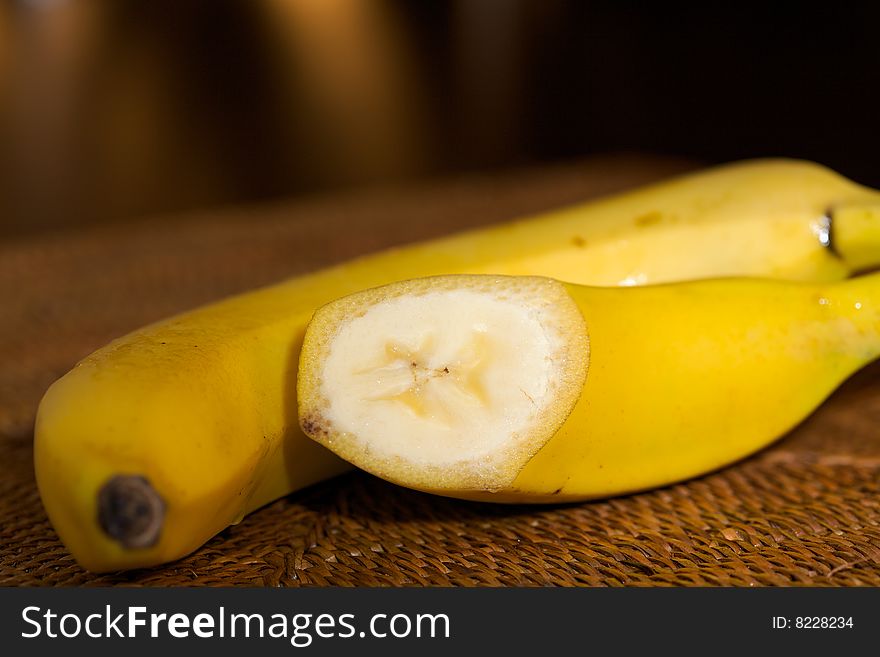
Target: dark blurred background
x,y
113,110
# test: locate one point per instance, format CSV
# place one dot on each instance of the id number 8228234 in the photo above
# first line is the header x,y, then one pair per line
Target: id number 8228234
x,y
813,623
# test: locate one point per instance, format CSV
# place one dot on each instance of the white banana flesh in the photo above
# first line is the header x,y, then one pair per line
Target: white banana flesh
x,y
458,380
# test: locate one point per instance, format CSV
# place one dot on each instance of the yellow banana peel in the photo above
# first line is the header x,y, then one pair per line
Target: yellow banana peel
x,y
161,439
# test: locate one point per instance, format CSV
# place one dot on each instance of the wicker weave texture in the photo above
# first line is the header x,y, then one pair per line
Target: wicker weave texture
x,y
803,512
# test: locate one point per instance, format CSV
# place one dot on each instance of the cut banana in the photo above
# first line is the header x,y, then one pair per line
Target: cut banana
x,y
164,437
455,378
531,390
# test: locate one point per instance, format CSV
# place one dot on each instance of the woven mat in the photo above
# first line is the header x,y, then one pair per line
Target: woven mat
x,y
805,511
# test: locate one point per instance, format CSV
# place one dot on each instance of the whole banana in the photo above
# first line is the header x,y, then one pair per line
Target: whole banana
x,y
525,389
164,437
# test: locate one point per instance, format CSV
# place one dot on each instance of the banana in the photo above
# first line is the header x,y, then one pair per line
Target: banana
x,y
158,441
525,389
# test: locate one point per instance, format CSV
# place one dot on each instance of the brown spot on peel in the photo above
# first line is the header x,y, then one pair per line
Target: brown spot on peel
x,y
314,427
648,219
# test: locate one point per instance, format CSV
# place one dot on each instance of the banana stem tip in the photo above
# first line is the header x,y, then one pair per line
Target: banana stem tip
x,y
131,511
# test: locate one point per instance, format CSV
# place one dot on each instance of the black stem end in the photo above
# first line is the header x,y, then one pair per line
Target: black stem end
x,y
131,511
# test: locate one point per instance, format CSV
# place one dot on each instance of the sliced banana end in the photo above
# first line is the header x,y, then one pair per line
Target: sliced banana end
x,y
448,383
